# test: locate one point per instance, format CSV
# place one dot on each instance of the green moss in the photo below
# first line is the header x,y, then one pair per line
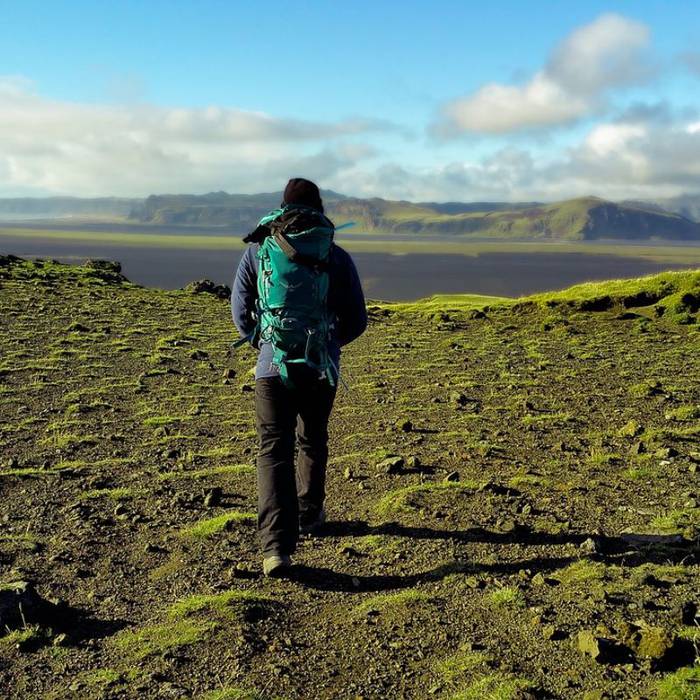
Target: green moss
x,y
581,572
228,604
156,639
159,421
391,602
412,497
229,469
115,494
508,596
459,664
212,526
684,684
495,686
684,413
236,694
677,521
23,637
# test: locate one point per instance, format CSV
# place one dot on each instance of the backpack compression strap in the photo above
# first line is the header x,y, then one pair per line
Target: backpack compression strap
x,y
295,256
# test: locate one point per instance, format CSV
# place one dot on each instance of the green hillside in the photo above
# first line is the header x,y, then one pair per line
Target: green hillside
x,y
587,218
512,500
583,219
574,220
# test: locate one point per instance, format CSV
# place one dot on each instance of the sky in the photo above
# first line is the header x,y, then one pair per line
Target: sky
x,y
418,100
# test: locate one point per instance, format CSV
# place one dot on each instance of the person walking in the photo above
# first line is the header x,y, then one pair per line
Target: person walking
x,y
297,298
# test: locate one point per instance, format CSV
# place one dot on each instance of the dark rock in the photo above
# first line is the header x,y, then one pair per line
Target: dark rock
x,y
602,650
405,425
213,497
686,612
61,640
21,605
229,373
121,511
452,476
103,265
247,388
666,452
206,286
413,462
199,355
391,465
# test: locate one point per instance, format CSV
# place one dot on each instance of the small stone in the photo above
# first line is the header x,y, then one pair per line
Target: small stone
x,y
406,426
213,497
637,448
121,511
229,373
348,474
598,648
549,631
413,462
247,388
60,640
666,452
654,643
589,546
240,571
452,476
198,355
391,465
686,612
691,503
538,579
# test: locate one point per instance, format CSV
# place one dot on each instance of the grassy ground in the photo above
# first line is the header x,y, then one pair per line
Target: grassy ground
x,y
546,509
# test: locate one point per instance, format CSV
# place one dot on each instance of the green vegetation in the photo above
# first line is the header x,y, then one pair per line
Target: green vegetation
x,y
494,686
463,573
392,602
684,684
414,497
156,639
508,596
224,605
212,526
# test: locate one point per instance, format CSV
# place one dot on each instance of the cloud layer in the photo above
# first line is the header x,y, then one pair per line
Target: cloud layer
x,y
69,147
592,60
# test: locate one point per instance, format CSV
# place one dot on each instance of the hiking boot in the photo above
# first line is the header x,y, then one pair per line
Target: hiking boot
x,y
312,527
276,565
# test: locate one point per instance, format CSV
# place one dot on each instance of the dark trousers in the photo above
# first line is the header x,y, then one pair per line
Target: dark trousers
x,y
285,415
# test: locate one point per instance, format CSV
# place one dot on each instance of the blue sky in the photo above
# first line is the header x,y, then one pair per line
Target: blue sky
x,y
439,100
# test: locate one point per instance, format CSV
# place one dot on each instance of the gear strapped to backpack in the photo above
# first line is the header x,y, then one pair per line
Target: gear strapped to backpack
x,y
292,311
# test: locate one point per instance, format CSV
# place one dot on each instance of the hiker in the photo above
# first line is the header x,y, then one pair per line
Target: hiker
x,y
297,298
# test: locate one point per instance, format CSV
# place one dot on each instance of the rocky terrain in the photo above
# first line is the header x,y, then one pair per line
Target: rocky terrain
x,y
514,499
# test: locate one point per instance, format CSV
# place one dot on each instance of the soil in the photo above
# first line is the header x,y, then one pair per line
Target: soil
x,y
538,538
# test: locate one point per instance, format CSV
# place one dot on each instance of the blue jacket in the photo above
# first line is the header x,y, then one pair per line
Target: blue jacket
x,y
345,299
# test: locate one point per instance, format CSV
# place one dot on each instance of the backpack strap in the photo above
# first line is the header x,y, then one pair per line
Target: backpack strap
x,y
295,256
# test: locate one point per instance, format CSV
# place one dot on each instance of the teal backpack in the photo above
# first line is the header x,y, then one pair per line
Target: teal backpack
x,y
292,314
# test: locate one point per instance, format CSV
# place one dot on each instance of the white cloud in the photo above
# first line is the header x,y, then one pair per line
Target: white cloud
x,y
67,147
595,58
616,160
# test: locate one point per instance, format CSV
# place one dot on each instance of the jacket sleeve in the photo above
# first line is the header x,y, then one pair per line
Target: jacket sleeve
x,y
349,300
245,293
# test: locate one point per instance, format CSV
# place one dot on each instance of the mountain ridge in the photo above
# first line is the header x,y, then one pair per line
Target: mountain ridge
x,y
582,218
